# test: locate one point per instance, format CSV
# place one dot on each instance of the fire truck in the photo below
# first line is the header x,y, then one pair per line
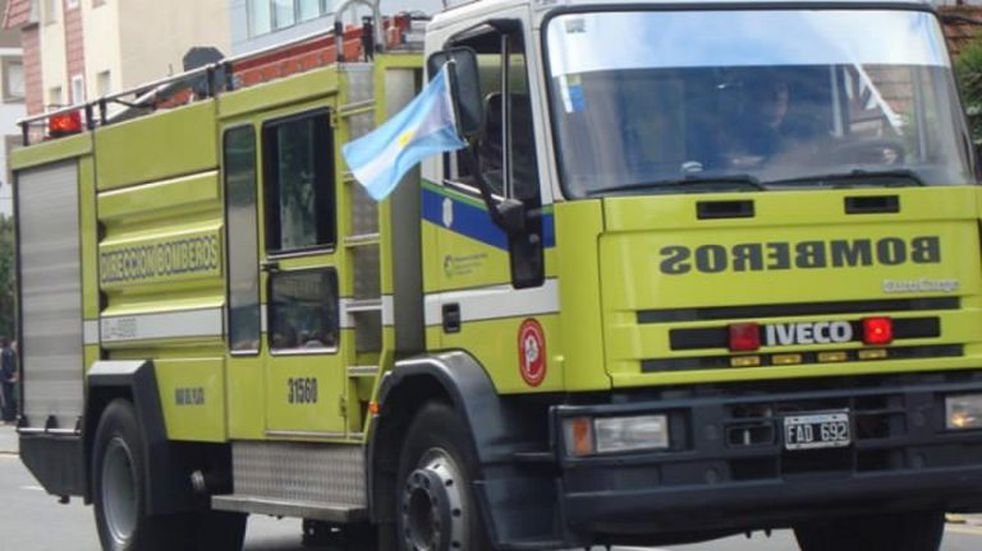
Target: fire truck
x,y
703,268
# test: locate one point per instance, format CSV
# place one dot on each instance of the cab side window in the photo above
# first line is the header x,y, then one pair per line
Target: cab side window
x,y
506,146
299,177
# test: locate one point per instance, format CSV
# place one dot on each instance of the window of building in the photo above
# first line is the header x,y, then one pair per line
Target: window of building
x,y
55,100
71,4
51,11
303,310
299,177
266,16
13,78
243,248
284,13
103,83
260,17
309,9
78,89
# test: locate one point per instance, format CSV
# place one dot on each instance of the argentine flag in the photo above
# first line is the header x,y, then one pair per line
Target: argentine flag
x,y
424,127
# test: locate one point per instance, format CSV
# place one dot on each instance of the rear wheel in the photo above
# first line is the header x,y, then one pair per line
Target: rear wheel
x,y
917,531
119,496
119,486
436,510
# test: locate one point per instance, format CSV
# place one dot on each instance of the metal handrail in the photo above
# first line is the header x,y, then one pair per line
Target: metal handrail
x,y
151,86
376,25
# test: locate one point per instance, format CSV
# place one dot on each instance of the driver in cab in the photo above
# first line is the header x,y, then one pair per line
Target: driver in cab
x,y
763,130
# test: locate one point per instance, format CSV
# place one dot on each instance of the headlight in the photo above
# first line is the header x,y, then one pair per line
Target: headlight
x,y
963,412
587,436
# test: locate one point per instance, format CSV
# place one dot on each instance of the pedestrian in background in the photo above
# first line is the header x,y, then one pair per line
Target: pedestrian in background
x,y
8,380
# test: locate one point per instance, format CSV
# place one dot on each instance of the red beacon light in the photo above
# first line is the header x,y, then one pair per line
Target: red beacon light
x,y
65,124
877,331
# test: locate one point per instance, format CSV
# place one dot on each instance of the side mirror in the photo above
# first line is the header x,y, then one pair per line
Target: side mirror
x,y
465,85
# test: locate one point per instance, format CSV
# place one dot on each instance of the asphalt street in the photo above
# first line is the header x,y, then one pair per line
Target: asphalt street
x,y
31,520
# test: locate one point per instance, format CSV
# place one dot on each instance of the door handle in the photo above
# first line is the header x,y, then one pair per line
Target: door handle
x,y
451,318
269,266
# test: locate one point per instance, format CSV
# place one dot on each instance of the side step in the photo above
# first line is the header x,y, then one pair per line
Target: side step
x,y
339,513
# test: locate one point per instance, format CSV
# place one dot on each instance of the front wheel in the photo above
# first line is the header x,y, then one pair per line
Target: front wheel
x,y
916,531
436,510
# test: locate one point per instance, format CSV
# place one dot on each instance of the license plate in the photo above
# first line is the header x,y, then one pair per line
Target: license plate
x,y
817,430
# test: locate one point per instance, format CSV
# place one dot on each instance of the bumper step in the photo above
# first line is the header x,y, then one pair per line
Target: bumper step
x,y
330,512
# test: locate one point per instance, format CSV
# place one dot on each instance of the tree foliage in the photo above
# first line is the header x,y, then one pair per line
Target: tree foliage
x,y
968,68
7,272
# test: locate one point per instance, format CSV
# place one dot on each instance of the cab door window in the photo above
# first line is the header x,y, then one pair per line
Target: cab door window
x,y
506,146
303,310
299,176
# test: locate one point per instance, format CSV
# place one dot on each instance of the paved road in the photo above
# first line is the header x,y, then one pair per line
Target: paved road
x,y
31,520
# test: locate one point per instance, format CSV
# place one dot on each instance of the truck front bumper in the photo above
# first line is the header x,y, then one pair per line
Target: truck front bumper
x,y
728,468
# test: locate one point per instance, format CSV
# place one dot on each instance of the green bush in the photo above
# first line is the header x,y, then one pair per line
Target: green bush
x,y
968,68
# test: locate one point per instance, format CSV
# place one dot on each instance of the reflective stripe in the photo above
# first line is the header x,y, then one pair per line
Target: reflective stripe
x,y
388,310
90,332
166,325
499,301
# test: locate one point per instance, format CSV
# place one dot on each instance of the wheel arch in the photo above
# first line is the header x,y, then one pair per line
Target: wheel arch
x,y
454,377
136,382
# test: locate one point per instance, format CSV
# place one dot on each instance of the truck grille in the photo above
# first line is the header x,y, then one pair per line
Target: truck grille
x,y
714,339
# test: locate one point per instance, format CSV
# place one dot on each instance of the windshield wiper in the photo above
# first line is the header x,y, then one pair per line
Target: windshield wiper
x,y
711,183
902,177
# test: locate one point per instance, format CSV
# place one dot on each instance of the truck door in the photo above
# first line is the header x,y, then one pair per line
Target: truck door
x,y
487,290
304,374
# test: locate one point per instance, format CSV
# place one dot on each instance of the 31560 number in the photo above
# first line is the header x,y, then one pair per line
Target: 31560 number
x,y
302,390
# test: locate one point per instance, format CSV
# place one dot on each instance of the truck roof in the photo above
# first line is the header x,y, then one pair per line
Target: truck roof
x,y
475,8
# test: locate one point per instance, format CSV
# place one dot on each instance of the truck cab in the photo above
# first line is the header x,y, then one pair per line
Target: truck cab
x,y
753,239
701,269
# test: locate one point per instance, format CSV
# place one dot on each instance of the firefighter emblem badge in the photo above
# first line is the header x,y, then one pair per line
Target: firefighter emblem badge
x,y
532,352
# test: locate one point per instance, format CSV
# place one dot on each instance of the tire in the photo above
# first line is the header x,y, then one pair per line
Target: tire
x,y
435,505
916,531
120,486
119,497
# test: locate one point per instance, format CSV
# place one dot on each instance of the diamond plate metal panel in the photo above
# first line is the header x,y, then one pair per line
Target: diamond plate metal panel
x,y
301,472
364,211
360,84
367,272
368,337
360,124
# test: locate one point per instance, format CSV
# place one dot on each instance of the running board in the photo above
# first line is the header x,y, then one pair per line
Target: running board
x,y
318,511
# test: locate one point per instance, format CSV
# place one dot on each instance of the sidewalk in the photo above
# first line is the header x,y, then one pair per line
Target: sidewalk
x,y
8,439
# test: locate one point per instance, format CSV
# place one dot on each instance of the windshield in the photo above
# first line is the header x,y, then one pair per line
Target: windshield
x,y
650,102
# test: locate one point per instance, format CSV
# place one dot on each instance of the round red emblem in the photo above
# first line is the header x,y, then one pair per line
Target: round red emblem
x,y
532,352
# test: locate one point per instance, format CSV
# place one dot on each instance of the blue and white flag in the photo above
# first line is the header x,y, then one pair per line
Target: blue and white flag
x,y
425,127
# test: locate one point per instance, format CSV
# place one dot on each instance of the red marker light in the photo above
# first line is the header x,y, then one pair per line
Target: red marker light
x,y
65,124
744,337
877,330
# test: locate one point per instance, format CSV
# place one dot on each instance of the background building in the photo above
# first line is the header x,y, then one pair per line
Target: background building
x,y
258,24
11,105
76,50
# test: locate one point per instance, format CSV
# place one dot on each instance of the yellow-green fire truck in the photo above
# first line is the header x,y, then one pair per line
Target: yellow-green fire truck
x,y
705,268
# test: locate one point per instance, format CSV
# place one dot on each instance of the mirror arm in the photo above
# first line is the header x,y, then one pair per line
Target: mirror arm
x,y
514,224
